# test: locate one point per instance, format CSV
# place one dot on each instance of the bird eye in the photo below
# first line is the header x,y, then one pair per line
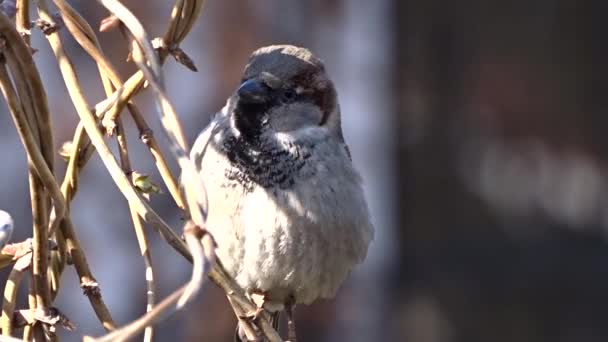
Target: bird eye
x,y
289,95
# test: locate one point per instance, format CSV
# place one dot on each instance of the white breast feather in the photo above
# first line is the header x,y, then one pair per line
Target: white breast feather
x,y
304,240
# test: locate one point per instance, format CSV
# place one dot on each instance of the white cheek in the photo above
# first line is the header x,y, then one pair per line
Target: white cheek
x,y
233,129
295,116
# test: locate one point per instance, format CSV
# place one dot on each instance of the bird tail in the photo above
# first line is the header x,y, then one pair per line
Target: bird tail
x,y
240,336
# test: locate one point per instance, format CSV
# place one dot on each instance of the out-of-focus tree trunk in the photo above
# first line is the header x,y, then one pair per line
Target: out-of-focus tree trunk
x,y
513,72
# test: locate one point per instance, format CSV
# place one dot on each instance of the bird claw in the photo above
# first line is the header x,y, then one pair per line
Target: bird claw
x,y
253,315
258,298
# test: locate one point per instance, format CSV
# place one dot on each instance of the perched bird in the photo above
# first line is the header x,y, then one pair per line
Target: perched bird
x,y
285,204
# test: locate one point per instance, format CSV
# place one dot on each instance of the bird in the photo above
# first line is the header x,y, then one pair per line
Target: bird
x,y
286,206
6,228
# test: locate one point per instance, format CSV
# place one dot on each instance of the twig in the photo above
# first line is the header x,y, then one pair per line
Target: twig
x,y
243,304
48,179
203,257
87,281
171,125
90,125
30,74
139,228
85,36
22,20
39,174
35,114
36,121
78,257
149,272
39,244
147,61
242,323
150,318
10,294
180,297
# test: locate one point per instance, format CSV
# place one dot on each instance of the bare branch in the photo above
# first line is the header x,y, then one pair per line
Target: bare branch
x,y
90,125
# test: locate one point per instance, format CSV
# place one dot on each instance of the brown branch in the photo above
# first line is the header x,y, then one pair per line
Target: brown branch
x,y
147,61
87,281
90,125
139,227
10,295
72,245
177,298
34,84
22,20
28,330
39,175
149,271
34,114
85,36
184,15
41,167
150,318
39,243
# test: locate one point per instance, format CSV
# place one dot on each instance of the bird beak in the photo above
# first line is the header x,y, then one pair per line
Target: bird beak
x,y
253,91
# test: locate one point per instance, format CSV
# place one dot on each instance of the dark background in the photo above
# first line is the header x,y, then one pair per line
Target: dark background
x,y
479,128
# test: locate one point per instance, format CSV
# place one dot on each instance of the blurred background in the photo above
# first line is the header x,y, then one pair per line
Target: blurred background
x,y
478,127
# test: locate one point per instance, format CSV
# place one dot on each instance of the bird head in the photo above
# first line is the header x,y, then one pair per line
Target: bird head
x,y
284,89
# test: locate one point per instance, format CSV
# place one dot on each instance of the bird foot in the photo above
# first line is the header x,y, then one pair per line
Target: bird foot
x,y
258,298
253,315
250,335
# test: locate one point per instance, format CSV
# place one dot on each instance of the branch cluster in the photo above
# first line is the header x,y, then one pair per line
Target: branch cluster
x,y
25,96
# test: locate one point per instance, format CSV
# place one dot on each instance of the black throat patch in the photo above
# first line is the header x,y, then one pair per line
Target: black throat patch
x,y
264,164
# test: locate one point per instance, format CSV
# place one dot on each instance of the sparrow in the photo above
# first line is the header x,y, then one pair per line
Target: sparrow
x,y
285,204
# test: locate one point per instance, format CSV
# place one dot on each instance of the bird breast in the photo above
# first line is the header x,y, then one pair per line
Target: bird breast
x,y
302,239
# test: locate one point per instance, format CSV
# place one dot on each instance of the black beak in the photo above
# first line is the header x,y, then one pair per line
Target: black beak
x,y
253,91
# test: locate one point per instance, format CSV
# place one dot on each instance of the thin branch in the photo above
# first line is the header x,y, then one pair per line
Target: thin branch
x,y
146,59
148,64
199,243
42,169
177,298
22,20
85,36
90,125
10,299
34,122
201,261
87,281
39,175
150,318
33,82
39,244
139,228
72,245
149,271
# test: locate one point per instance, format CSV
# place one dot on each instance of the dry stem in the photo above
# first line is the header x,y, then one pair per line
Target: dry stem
x,y
27,102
